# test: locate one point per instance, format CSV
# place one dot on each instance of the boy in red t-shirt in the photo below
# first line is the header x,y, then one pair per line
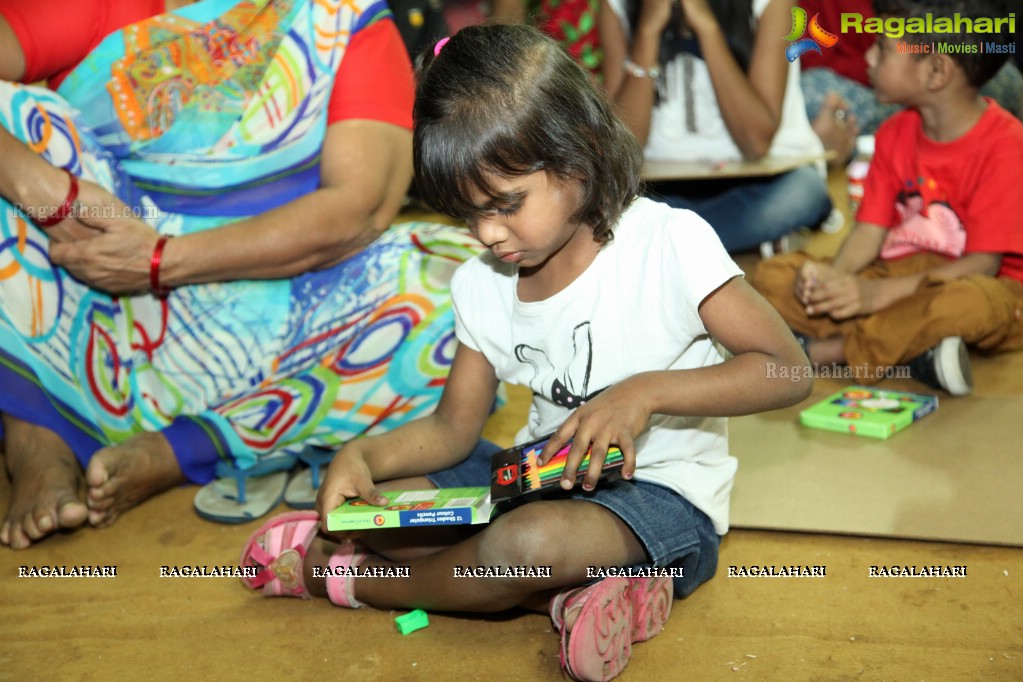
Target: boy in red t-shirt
x,y
935,258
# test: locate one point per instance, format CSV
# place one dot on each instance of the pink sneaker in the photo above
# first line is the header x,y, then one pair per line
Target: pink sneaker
x,y
611,615
278,549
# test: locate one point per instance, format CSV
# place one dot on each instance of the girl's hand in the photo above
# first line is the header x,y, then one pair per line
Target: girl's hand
x,y
348,476
615,417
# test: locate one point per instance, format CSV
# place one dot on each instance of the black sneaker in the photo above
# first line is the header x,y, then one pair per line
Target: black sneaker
x,y
946,366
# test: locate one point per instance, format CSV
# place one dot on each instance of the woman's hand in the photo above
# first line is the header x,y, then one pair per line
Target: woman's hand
x,y
750,100
70,230
105,246
699,17
348,476
654,16
615,417
365,170
92,202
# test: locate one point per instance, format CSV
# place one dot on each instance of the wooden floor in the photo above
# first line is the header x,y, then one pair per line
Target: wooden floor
x,y
844,625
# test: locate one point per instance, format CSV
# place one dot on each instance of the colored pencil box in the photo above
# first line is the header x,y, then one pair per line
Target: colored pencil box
x,y
868,411
410,508
515,471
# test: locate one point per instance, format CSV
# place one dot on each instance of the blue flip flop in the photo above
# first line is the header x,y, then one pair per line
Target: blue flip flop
x,y
241,495
301,490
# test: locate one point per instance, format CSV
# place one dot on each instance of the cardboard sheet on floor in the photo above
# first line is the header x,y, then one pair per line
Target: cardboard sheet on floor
x,y
953,477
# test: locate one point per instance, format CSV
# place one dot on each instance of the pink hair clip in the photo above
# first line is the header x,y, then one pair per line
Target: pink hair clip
x,y
440,43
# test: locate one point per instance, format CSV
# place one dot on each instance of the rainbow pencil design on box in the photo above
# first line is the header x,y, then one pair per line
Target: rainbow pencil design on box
x,y
514,471
549,474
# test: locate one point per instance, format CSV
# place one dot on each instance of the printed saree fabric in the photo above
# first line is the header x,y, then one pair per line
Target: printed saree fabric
x,y
195,119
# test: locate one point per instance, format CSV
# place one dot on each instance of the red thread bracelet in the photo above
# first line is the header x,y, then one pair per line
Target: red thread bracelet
x,y
64,210
154,267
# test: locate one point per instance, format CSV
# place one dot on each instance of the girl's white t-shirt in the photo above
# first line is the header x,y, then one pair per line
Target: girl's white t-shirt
x,y
635,309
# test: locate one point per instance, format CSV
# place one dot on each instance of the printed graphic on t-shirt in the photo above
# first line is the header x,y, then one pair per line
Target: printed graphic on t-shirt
x,y
570,389
926,223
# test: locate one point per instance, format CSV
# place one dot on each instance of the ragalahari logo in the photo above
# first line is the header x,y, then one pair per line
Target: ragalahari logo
x,y
800,45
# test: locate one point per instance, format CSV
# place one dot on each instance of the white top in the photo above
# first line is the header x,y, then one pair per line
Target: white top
x,y
670,140
634,309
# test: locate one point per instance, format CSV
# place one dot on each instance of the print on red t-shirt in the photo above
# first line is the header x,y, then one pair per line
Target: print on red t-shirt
x,y
926,223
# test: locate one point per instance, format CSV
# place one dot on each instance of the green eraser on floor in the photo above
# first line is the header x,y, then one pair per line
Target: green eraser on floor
x,y
412,621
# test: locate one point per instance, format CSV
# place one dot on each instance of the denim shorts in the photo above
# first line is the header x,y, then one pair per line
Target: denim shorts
x,y
673,531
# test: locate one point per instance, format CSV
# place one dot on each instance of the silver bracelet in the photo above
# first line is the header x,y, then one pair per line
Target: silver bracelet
x,y
634,69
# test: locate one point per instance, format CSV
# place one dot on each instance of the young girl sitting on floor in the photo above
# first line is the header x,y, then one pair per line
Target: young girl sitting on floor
x,y
610,308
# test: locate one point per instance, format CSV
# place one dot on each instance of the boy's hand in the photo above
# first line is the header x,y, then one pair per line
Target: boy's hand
x,y
812,277
825,290
615,417
843,296
806,280
348,476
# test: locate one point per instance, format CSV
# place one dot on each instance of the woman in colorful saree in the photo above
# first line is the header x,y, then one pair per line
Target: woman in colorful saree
x,y
272,141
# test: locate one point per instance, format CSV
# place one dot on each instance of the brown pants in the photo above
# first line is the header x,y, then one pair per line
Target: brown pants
x,y
985,311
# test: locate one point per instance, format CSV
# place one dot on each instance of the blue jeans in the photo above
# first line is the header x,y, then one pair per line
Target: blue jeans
x,y
673,531
748,211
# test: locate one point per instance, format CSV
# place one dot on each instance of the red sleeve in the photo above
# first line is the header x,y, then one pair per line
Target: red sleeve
x,y
56,35
374,80
994,215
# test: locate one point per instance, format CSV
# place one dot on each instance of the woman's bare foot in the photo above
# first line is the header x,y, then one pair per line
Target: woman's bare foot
x,y
837,129
46,485
121,476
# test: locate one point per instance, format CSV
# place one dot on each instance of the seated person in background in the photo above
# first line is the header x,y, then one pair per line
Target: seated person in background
x,y
572,23
936,256
712,82
839,98
287,309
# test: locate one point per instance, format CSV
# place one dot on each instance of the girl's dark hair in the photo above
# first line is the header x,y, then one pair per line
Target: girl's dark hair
x,y
505,100
734,16
979,66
